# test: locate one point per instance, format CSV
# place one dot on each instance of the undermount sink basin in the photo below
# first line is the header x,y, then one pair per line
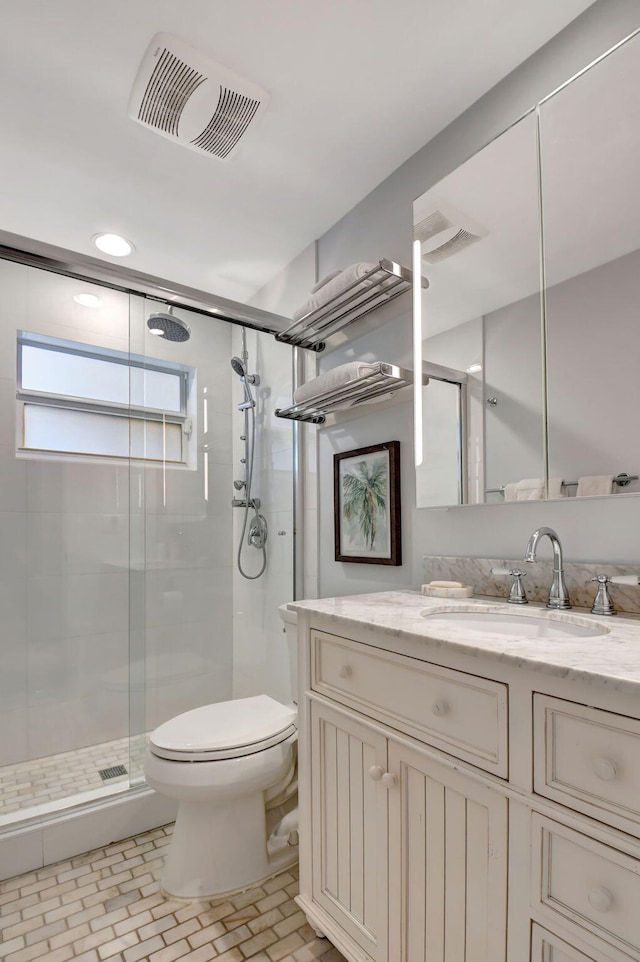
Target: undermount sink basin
x,y
516,624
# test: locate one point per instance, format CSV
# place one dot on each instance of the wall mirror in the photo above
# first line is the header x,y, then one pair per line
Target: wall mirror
x,y
532,250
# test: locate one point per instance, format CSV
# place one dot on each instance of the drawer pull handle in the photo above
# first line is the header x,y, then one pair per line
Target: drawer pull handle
x,y
600,899
389,780
605,769
346,671
376,772
440,708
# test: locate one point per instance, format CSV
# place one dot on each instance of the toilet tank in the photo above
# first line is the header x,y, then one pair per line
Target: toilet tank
x,y
290,623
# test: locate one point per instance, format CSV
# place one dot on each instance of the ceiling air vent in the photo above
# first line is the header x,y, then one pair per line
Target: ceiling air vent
x,y
183,95
444,231
461,239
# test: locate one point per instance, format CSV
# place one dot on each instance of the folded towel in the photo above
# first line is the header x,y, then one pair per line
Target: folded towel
x,y
333,288
529,489
595,484
325,280
556,488
331,380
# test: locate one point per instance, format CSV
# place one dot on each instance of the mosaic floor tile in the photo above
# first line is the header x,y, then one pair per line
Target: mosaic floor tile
x,y
106,906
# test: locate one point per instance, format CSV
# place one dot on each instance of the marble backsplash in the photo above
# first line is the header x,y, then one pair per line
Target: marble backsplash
x,y
477,573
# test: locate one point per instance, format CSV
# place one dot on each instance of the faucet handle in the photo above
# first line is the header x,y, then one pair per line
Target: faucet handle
x,y
625,580
517,594
602,603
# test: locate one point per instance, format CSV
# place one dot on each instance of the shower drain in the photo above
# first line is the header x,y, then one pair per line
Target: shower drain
x,y
106,773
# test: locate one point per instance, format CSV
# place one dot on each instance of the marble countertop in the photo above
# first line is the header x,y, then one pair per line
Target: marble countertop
x,y
611,659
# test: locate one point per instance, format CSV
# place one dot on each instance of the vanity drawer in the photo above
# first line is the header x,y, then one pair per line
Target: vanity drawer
x,y
588,759
587,883
546,947
461,714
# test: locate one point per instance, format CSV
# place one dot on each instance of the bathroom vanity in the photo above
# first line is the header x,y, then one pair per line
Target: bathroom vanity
x,y
469,787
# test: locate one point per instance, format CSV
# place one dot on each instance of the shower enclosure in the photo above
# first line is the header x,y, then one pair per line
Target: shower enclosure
x,y
121,601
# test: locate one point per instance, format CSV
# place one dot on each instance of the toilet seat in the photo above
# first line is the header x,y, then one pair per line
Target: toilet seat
x,y
230,729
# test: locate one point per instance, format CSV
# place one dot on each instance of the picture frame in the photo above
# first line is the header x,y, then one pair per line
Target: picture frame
x,y
366,485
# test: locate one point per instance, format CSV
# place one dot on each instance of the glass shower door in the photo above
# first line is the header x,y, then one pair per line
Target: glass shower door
x,y
65,559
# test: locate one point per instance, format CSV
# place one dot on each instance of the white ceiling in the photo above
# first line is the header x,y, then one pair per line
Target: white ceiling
x,y
356,86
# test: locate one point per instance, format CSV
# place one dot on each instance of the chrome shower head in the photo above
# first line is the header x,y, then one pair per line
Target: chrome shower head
x,y
238,366
169,327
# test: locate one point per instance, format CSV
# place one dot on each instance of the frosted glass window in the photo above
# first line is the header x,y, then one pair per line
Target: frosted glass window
x,y
79,376
110,435
79,399
156,389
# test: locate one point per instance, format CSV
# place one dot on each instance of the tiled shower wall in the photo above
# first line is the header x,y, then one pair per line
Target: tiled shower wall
x,y
261,661
188,551
66,529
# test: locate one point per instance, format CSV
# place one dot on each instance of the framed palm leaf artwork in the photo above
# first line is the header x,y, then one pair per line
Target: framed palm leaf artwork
x,y
367,504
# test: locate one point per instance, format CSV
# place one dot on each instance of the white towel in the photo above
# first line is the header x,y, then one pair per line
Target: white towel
x,y
325,280
333,379
595,484
333,288
556,488
529,489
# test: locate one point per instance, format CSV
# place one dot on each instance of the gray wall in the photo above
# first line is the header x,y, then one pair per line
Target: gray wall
x,y
380,226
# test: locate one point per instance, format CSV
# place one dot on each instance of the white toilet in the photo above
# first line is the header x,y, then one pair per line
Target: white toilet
x,y
230,766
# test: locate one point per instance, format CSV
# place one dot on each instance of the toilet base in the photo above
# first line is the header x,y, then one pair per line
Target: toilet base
x,y
219,849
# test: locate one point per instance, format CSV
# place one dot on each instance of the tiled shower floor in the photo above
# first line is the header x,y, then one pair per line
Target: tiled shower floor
x,y
106,906
41,781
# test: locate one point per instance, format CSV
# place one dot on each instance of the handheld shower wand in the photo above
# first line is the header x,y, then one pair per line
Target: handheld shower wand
x,y
258,529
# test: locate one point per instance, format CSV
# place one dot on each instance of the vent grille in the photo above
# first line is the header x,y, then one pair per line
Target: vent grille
x,y
171,84
431,225
458,242
232,116
113,772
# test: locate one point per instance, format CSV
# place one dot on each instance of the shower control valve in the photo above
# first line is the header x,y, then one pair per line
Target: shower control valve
x,y
258,531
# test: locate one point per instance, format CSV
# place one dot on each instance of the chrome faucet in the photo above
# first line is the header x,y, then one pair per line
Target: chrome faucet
x,y
558,595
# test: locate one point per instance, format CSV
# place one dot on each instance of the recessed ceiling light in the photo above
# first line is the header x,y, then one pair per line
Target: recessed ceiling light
x,y
87,300
113,244
474,368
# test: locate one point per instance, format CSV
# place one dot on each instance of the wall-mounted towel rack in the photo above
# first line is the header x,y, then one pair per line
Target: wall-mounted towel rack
x,y
381,284
622,480
383,379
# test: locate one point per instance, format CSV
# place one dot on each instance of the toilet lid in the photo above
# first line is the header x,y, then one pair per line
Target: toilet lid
x,y
229,729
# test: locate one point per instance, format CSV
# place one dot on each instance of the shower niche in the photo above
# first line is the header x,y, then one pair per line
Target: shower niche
x,y
532,250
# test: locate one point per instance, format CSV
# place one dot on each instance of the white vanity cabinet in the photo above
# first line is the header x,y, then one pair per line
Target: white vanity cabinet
x,y
401,844
456,806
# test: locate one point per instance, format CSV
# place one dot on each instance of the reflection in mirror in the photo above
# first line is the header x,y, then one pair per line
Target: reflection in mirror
x,y
590,164
479,235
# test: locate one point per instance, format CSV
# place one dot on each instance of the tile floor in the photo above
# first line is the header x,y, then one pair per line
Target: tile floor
x,y
65,775
106,906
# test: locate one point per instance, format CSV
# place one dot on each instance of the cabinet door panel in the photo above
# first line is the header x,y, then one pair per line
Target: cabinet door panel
x,y
451,862
349,817
546,947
